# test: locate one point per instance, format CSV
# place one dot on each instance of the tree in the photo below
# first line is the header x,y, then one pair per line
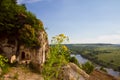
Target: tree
x,y
18,23
88,67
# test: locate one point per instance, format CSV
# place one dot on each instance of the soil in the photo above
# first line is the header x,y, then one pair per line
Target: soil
x,y
99,75
21,73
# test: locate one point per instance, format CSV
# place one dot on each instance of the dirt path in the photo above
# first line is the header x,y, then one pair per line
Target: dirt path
x,y
21,73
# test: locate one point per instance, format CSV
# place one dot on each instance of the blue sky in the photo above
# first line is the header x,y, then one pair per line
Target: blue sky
x,y
84,21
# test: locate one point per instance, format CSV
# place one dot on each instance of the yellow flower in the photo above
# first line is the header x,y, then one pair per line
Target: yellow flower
x,y
58,38
65,48
62,35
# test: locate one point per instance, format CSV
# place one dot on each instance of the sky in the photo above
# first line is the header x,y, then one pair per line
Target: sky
x,y
83,21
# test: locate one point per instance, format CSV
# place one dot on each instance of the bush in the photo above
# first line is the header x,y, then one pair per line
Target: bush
x,y
88,67
74,60
3,64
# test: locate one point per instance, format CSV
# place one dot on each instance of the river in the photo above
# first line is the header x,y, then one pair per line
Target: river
x,y
83,60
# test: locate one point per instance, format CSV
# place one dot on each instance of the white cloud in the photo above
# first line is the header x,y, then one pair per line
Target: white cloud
x,y
114,39
27,1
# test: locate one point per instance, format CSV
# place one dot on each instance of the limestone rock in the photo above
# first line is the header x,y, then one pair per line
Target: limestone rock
x,y
73,72
6,48
37,56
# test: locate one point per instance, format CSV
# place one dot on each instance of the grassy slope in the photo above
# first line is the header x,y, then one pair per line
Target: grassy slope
x,y
113,58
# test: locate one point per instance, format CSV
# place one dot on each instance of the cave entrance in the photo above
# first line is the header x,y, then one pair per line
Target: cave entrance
x,y
23,55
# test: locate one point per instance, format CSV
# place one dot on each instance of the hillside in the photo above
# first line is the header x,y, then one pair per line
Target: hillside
x,y
99,75
25,73
21,73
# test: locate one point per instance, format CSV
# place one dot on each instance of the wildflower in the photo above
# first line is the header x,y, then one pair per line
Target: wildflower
x,y
61,35
65,48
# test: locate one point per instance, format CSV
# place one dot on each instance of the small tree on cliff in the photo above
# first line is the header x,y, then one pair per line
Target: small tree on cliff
x,y
88,67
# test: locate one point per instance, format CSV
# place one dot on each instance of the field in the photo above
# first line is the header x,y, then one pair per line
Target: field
x,y
107,55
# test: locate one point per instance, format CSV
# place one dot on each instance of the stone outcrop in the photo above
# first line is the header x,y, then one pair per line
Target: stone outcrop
x,y
73,72
37,56
8,47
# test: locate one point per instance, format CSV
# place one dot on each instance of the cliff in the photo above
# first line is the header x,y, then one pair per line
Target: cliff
x,y
22,35
26,54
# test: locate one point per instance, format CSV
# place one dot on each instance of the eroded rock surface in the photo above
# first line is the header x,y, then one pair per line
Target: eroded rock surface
x,y
73,72
37,55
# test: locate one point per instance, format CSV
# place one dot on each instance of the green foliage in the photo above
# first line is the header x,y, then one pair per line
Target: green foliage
x,y
3,64
19,23
3,61
74,60
88,67
56,59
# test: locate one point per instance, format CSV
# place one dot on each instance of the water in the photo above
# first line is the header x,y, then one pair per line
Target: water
x,y
109,71
113,73
80,58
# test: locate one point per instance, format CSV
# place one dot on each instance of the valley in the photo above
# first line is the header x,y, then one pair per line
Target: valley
x,y
105,55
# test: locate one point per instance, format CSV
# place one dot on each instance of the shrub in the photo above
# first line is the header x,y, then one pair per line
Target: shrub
x,y
88,67
74,60
3,64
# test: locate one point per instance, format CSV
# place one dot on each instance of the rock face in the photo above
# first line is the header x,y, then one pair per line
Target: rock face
x,y
37,56
8,47
73,72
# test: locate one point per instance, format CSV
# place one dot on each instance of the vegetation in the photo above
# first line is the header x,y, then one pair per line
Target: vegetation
x,y
18,23
74,60
106,55
88,67
58,57
3,64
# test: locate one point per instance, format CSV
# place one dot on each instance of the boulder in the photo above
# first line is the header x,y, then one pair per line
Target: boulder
x,y
73,72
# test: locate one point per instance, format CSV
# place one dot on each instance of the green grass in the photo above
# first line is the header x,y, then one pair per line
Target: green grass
x,y
113,57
